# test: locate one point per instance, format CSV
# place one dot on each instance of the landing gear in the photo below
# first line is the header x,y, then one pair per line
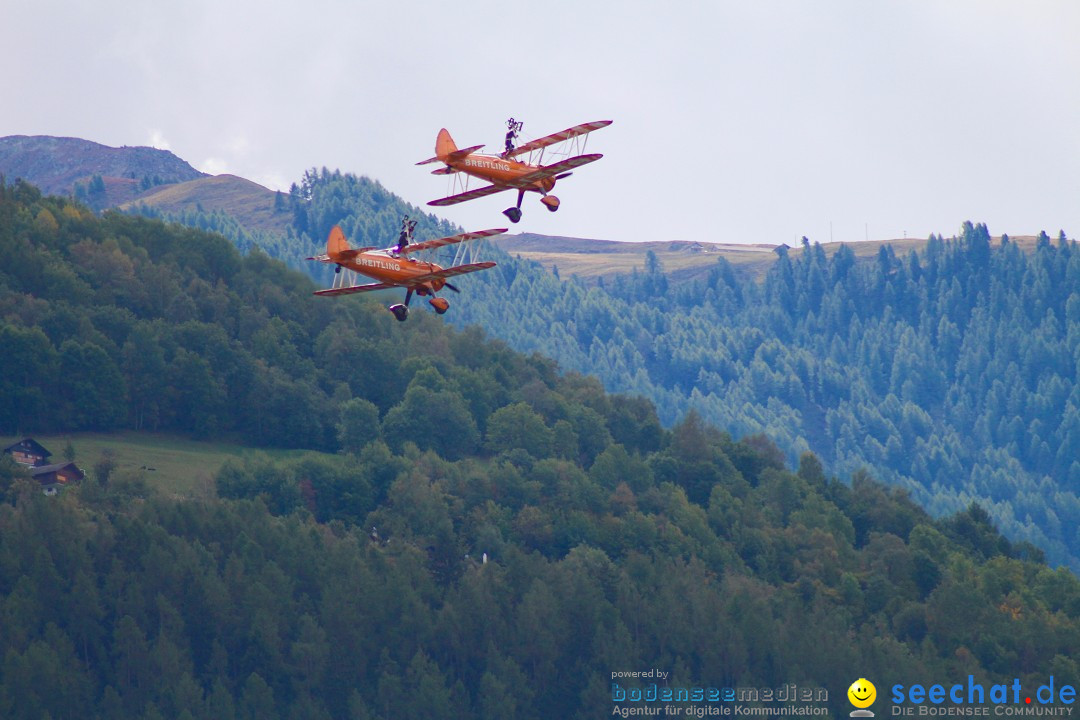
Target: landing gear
x,y
401,311
514,213
550,202
438,304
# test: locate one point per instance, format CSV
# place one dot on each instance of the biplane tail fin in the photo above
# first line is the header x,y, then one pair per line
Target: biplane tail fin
x,y
336,244
444,145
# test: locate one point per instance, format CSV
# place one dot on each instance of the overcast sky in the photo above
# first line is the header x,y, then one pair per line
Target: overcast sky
x,y
752,121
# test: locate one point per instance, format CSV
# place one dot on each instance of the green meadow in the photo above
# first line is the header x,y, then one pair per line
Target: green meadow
x,y
168,463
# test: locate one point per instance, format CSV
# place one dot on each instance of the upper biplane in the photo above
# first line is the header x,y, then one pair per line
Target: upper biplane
x,y
517,168
395,267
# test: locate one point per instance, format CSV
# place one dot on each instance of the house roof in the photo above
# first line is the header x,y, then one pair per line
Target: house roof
x,y
28,445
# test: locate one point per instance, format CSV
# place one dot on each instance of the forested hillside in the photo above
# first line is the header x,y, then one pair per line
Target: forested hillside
x,y
953,373
491,538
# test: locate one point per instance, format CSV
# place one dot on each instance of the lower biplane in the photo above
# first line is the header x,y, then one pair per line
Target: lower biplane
x,y
508,171
395,267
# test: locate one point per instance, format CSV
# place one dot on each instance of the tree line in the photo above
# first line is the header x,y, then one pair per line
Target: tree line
x,y
952,373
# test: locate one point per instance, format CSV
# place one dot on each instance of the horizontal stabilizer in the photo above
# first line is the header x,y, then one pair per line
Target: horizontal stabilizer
x,y
463,153
353,252
342,255
452,157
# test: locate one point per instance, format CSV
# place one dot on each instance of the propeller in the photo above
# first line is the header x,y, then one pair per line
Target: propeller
x,y
451,287
564,175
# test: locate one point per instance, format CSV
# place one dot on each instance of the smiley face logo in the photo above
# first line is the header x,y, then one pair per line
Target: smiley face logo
x,y
862,693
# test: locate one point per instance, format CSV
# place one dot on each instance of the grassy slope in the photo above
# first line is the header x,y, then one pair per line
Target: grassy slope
x,y
181,467
682,260
250,203
589,259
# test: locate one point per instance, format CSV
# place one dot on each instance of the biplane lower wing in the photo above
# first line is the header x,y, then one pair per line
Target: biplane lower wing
x,y
470,195
356,289
449,272
412,282
559,137
547,171
464,237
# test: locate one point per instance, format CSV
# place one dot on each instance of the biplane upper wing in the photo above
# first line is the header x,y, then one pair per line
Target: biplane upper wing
x,y
464,237
548,170
454,156
470,195
356,289
449,272
559,137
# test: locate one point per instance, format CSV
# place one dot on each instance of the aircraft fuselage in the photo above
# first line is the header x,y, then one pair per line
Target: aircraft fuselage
x,y
389,267
500,171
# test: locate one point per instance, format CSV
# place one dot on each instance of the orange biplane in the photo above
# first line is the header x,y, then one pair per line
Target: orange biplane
x,y
394,267
506,172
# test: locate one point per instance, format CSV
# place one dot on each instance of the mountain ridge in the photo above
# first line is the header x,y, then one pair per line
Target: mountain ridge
x,y
57,164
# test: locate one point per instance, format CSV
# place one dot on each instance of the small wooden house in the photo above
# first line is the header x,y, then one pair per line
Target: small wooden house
x,y
54,478
28,452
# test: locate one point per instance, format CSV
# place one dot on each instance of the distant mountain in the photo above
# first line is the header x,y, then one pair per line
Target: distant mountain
x,y
144,180
102,175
